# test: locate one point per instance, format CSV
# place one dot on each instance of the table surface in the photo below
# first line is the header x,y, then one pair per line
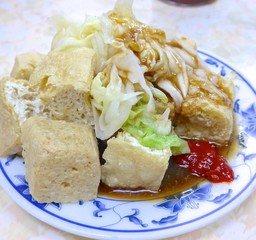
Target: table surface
x,y
223,27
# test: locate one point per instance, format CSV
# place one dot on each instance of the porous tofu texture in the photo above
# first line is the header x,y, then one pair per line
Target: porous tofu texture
x,y
61,159
17,103
64,80
9,125
130,165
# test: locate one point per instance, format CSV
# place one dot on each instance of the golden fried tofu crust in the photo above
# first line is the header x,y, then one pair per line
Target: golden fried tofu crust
x,y
64,81
207,111
25,64
62,160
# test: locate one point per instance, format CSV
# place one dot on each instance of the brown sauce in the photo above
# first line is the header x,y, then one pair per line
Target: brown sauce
x,y
176,180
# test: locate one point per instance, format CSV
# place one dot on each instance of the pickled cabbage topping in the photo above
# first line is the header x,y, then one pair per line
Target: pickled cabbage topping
x,y
96,33
112,101
154,130
136,66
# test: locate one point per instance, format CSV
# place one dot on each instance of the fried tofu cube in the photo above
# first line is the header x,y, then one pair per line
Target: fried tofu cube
x,y
207,111
25,64
208,122
64,81
9,125
61,159
18,102
131,165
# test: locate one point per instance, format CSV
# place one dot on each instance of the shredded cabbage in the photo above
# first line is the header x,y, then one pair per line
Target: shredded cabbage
x,y
112,102
130,58
158,94
173,91
129,63
154,130
97,33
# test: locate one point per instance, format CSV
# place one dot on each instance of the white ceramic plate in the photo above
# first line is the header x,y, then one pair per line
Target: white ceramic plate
x,y
106,218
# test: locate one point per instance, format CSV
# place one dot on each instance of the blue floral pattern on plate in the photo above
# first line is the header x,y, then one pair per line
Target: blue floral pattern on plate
x,y
165,217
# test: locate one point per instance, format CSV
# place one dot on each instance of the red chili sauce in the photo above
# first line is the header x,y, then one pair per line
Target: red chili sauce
x,y
184,172
205,161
